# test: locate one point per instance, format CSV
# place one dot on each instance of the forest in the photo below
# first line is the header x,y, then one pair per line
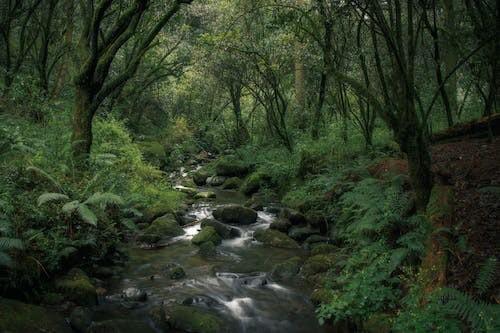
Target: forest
x,y
209,166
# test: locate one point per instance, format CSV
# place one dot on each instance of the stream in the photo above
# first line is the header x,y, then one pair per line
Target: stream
x,y
235,284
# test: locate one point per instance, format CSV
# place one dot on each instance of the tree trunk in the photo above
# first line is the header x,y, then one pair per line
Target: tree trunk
x,y
450,52
300,89
81,139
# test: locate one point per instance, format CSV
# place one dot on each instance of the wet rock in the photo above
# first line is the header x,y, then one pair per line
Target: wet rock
x,y
323,249
77,287
205,301
275,238
216,180
187,190
281,225
287,269
163,227
235,214
300,234
232,183
315,239
207,250
205,195
120,326
318,264
254,182
103,272
225,231
230,167
200,177
177,273
207,234
80,319
20,317
188,319
135,295
295,217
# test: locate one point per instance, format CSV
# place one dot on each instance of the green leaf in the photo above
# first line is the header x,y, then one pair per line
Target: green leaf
x,y
70,207
104,199
129,224
6,260
49,197
11,243
87,215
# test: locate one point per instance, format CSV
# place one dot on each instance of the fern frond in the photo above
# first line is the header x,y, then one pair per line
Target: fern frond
x,y
7,243
5,260
129,224
87,215
486,276
70,207
46,176
49,197
104,199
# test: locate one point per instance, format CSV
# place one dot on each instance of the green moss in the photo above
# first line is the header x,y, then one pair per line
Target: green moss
x,y
287,269
230,167
200,177
177,273
192,319
207,250
76,287
275,238
207,234
318,263
254,182
18,317
163,227
323,249
232,183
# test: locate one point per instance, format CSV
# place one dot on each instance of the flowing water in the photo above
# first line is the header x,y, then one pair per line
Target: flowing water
x,y
236,284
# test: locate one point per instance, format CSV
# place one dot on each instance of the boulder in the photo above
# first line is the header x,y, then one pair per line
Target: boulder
x,y
316,239
205,195
188,319
275,238
318,264
207,250
200,177
281,225
295,217
190,191
216,180
230,167
177,273
323,249
232,183
120,326
254,182
235,214
287,269
18,317
134,295
80,319
163,227
207,234
76,287
300,234
225,231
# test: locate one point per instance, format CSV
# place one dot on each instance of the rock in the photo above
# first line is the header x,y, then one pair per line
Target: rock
x,y
80,319
295,217
76,287
135,295
235,214
254,182
300,234
189,319
207,250
320,296
205,195
323,249
287,269
318,264
187,190
103,272
18,317
200,177
207,234
230,167
281,225
177,273
275,238
225,231
216,180
163,227
120,326
315,239
232,183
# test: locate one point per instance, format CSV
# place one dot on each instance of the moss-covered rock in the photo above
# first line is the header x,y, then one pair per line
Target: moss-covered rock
x,y
207,234
320,296
76,287
205,195
191,319
225,231
323,249
216,180
232,183
163,227
254,182
287,269
207,250
177,273
230,167
120,326
300,234
281,225
235,214
18,317
275,238
80,319
200,177
190,191
318,264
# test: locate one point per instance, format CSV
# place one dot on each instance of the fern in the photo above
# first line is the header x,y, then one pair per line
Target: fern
x,y
486,276
50,197
10,243
104,199
46,176
70,207
87,215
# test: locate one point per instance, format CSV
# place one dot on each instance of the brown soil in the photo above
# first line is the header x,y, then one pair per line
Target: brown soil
x,y
470,166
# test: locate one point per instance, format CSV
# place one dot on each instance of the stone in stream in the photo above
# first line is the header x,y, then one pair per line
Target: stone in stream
x,y
120,326
77,287
230,166
20,317
287,269
275,238
216,180
281,225
232,183
235,214
187,319
225,231
163,227
295,217
134,295
207,250
200,177
80,319
300,234
177,273
205,195
207,234
187,190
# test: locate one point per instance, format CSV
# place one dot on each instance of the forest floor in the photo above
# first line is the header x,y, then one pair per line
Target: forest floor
x,y
472,167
